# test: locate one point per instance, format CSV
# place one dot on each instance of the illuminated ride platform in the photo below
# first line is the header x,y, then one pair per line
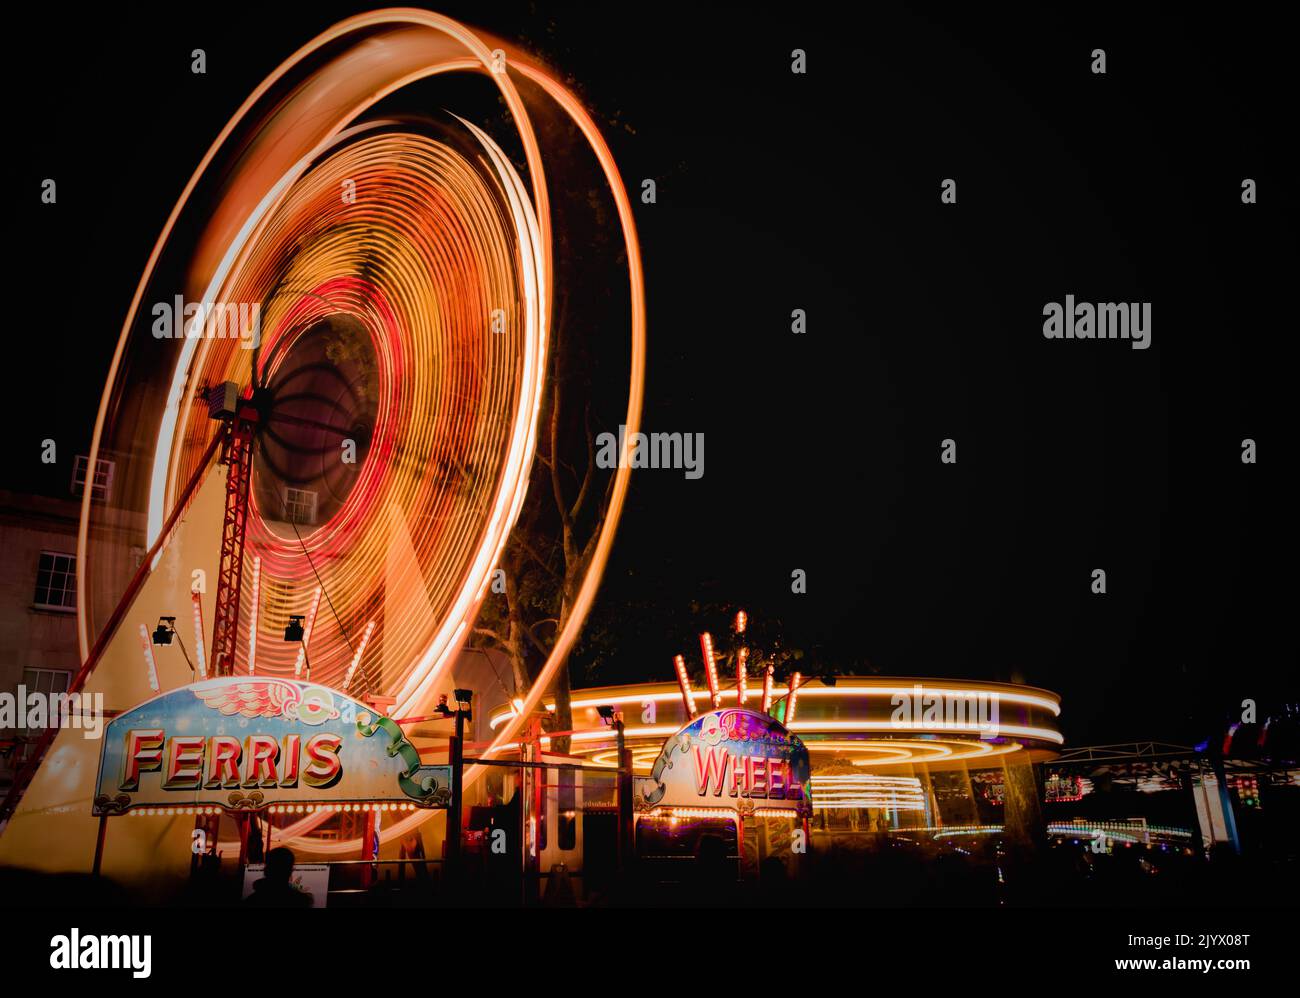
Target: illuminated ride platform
x,y
885,754
875,742
878,725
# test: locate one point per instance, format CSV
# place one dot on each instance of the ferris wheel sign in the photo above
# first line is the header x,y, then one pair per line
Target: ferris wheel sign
x,y
246,744
729,760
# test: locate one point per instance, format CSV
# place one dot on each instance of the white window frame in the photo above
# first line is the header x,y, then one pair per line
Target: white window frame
x,y
69,573
38,672
41,687
80,466
293,503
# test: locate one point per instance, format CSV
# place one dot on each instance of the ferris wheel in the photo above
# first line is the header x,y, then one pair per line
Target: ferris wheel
x,y
334,364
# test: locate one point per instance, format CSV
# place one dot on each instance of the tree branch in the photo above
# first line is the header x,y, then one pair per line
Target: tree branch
x,y
544,620
541,562
591,465
487,632
534,641
557,487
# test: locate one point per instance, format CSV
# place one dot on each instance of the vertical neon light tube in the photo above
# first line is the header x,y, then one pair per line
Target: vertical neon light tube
x,y
684,681
200,654
149,664
356,659
252,616
791,697
711,669
306,632
742,681
767,690
742,658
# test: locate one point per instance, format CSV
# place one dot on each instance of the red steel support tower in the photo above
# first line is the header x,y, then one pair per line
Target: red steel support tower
x,y
237,456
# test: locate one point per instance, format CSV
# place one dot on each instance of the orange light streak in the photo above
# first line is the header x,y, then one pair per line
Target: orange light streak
x,y
253,613
684,680
151,667
791,698
711,669
200,654
361,650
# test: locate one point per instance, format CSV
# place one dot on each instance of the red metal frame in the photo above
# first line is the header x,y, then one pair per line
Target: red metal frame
x,y
238,458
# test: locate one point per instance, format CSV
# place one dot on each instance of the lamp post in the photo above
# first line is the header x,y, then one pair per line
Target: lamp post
x,y
614,718
209,825
370,831
462,713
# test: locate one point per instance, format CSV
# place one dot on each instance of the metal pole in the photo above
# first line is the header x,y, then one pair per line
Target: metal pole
x,y
740,846
99,845
1188,785
625,842
1225,801
531,776
368,849
457,789
537,794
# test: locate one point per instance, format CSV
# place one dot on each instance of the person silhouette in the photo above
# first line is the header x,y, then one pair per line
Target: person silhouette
x,y
275,889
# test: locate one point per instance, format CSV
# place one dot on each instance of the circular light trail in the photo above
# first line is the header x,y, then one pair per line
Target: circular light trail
x,y
416,244
419,255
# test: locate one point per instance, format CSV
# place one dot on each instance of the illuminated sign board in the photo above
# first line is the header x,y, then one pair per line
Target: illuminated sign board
x,y
244,743
731,760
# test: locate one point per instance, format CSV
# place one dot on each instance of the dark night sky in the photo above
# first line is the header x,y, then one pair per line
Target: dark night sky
x,y
822,192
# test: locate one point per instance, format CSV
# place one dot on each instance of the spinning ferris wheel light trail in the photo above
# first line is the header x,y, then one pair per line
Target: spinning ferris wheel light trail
x,y
379,249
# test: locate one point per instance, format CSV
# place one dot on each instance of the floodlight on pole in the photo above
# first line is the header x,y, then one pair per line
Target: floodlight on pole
x,y
294,630
162,634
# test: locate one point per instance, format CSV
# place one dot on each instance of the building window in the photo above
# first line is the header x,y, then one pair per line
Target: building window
x,y
101,483
300,505
56,581
48,683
